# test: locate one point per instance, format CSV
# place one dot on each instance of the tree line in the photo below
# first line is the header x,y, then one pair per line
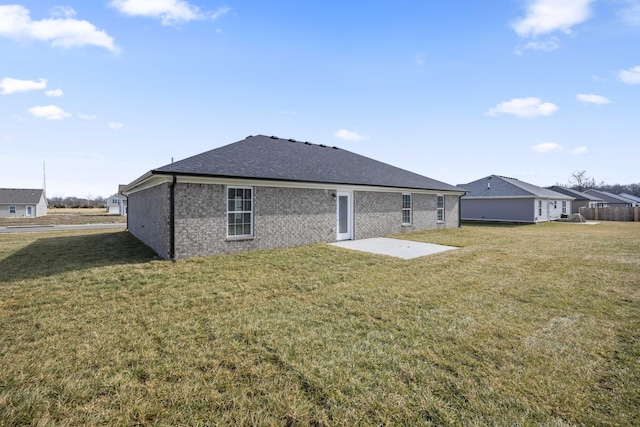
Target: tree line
x,y
77,202
580,181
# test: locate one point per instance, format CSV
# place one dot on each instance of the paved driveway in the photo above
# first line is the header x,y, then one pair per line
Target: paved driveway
x,y
405,249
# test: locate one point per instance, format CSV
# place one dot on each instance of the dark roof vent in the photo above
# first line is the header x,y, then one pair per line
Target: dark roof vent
x,y
273,137
323,146
307,143
292,140
250,136
335,148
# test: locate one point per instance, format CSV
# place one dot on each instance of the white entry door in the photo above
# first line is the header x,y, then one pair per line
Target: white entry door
x,y
345,216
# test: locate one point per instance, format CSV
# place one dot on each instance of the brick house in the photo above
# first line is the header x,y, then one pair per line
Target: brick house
x,y
266,192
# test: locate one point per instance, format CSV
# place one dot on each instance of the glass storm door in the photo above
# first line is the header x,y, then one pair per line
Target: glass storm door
x,y
345,216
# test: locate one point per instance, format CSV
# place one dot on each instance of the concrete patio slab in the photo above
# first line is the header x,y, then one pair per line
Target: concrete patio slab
x,y
404,249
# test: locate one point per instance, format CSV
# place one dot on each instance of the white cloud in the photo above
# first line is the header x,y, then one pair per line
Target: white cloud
x,y
545,46
548,16
547,147
15,23
168,11
630,76
53,92
49,112
86,116
9,85
347,135
579,151
63,12
115,125
630,15
524,107
593,99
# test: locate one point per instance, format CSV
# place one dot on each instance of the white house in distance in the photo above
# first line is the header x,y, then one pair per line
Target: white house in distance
x,y
117,203
22,203
498,198
581,199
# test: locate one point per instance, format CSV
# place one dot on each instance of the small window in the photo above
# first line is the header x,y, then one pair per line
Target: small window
x,y
440,208
239,211
539,208
406,209
564,206
12,209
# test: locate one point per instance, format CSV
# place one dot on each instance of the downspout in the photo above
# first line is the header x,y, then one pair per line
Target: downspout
x,y
127,210
460,210
172,219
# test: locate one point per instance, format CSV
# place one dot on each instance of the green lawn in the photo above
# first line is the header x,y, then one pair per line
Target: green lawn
x,y
523,325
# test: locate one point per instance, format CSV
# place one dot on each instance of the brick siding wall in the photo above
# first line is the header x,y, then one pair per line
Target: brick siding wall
x,y
380,214
148,218
283,217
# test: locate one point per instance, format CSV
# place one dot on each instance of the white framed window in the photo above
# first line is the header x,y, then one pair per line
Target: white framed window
x,y
564,206
407,208
29,211
539,208
12,209
239,211
440,208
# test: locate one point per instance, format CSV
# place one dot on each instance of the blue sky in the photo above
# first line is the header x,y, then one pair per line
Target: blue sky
x,y
103,91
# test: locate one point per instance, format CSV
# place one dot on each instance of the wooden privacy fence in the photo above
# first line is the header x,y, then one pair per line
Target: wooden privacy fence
x,y
610,214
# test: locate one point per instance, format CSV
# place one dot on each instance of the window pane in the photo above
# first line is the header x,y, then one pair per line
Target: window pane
x,y
440,201
343,213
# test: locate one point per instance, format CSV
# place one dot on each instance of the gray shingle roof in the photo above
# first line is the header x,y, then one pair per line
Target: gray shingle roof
x,y
19,196
495,186
610,198
630,197
573,193
272,158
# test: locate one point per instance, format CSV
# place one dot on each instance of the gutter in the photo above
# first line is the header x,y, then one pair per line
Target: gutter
x,y
172,219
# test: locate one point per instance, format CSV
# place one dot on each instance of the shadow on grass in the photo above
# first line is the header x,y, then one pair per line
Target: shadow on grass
x,y
54,255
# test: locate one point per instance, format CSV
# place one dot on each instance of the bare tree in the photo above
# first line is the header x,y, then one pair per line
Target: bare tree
x,y
580,181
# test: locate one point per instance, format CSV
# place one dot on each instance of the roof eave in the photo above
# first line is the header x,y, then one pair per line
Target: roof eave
x,y
140,182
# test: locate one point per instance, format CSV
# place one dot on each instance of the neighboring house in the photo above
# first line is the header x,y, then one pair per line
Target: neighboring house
x,y
634,199
22,203
267,192
498,198
117,203
123,200
580,199
113,204
610,199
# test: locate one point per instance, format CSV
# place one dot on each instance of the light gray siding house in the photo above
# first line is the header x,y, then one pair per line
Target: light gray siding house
x,y
501,199
117,203
580,199
634,199
266,192
22,203
610,199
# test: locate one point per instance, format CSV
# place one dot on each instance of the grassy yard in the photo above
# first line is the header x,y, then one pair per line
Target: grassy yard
x,y
67,216
523,325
